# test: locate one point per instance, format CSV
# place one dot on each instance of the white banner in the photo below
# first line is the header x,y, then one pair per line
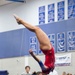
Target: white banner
x,y
63,60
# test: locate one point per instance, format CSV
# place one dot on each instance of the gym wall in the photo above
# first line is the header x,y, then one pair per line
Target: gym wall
x,y
13,53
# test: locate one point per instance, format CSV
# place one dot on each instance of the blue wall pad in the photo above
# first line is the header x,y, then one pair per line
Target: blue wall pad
x,y
17,42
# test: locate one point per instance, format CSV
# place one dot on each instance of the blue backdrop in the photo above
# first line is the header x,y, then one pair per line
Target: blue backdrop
x,y
18,42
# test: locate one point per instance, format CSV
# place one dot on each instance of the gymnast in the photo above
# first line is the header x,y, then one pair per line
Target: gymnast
x,y
44,44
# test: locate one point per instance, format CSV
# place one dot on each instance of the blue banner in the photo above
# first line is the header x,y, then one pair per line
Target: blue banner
x,y
33,44
42,15
61,42
52,39
51,12
70,40
71,9
60,9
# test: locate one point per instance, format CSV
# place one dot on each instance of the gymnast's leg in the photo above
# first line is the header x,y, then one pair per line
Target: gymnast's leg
x,y
41,35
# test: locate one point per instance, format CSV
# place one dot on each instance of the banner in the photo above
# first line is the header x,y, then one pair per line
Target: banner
x,y
42,15
71,40
71,9
52,39
33,44
60,8
63,60
51,13
61,42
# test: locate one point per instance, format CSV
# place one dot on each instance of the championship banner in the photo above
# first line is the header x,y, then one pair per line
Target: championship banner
x,y
63,60
71,40
52,40
61,42
51,12
71,9
33,44
42,15
60,9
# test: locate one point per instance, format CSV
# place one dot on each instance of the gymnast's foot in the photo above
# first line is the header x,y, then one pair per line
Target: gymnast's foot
x,y
17,19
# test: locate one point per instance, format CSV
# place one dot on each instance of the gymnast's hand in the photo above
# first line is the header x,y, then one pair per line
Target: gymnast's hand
x,y
17,19
30,51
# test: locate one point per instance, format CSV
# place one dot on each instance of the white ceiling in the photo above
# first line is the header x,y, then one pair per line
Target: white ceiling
x,y
3,2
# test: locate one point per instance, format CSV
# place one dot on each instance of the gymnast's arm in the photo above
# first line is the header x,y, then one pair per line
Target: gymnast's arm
x,y
34,56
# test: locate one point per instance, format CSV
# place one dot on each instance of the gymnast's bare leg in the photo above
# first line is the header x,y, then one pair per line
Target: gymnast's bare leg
x,y
41,35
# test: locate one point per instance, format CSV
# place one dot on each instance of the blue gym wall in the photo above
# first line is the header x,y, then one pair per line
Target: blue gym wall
x,y
17,42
